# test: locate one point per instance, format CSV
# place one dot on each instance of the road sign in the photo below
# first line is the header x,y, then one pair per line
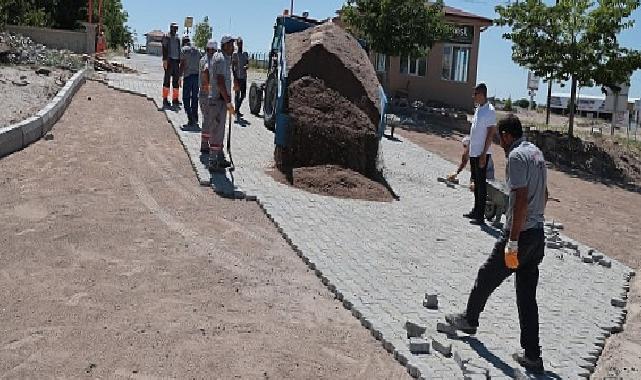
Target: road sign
x,y
189,22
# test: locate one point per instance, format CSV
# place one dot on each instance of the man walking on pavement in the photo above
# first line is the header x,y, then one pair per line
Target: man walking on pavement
x,y
481,137
240,64
219,101
189,69
171,64
521,248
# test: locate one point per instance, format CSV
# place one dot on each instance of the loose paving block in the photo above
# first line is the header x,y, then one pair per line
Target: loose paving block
x,y
445,328
431,301
596,256
617,302
553,245
587,259
414,329
442,346
606,263
460,359
419,346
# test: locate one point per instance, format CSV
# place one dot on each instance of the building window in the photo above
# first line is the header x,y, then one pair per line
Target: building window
x,y
414,66
456,63
380,63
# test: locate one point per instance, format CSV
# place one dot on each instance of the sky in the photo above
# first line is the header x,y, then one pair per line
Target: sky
x,y
254,20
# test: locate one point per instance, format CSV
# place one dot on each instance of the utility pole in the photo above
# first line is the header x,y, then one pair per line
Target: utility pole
x,y
291,8
549,101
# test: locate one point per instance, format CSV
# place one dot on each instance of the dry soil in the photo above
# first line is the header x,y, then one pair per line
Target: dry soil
x,y
116,264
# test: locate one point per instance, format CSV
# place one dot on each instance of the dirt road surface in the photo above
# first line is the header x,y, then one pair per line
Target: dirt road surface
x,y
114,263
604,217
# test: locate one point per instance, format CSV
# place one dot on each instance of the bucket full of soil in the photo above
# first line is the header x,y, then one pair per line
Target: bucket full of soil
x,y
333,106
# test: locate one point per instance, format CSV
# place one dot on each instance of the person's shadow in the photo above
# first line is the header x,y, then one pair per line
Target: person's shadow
x,y
502,366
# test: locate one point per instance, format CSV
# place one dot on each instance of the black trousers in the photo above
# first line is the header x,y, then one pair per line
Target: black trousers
x,y
479,176
494,272
241,93
172,74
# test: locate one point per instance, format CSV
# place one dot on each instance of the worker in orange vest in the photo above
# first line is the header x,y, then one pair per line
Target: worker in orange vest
x,y
101,44
171,54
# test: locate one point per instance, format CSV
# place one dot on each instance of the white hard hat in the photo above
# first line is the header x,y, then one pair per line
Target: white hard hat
x,y
211,44
226,38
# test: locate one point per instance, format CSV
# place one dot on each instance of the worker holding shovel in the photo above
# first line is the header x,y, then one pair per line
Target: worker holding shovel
x,y
220,101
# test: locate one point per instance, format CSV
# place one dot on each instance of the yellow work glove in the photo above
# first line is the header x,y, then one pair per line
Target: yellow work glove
x,y
230,109
451,177
164,65
512,254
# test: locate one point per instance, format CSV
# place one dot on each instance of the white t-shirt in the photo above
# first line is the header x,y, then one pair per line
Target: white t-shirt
x,y
466,143
484,118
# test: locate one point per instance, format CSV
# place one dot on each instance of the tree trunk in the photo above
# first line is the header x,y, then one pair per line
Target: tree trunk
x,y
614,112
547,108
572,106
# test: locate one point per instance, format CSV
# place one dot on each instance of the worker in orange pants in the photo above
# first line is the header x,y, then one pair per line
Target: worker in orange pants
x,y
171,54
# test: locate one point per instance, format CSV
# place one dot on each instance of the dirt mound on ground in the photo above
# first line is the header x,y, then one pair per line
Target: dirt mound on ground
x,y
327,129
329,53
337,182
601,158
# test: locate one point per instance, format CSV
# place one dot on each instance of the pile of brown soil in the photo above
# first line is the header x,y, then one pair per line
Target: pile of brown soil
x,y
327,129
602,158
335,181
329,53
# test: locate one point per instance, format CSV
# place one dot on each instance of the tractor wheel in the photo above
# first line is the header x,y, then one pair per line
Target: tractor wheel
x,y
269,105
255,98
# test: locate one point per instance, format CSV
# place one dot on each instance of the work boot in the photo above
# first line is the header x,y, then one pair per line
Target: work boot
x,y
459,322
165,103
531,365
477,222
175,103
470,215
222,161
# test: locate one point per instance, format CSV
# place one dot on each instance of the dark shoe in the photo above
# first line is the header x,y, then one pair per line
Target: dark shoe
x,y
175,103
222,162
477,222
165,103
239,114
534,366
470,215
459,322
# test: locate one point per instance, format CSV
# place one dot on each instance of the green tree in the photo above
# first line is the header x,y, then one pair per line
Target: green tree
x,y
508,105
573,40
523,103
115,20
397,27
202,33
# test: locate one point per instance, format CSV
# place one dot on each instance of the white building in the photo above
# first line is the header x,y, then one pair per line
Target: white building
x,y
595,106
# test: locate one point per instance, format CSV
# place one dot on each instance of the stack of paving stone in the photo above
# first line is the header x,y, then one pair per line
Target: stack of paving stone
x,y
564,246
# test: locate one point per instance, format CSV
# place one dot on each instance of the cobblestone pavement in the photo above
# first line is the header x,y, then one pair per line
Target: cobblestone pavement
x,y
382,259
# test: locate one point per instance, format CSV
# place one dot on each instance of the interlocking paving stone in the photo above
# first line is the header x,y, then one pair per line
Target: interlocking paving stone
x,y
379,258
